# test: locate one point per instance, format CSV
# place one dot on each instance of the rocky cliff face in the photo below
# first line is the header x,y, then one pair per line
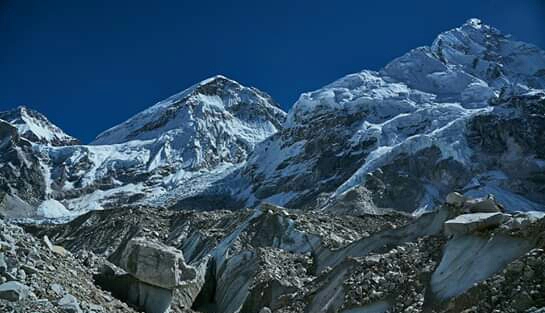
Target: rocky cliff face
x,y
21,179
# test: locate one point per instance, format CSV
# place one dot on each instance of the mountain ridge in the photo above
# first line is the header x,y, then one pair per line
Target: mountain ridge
x,y
35,127
199,134
416,104
373,131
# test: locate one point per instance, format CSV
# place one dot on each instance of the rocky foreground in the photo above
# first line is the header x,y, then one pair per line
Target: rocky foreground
x,y
466,256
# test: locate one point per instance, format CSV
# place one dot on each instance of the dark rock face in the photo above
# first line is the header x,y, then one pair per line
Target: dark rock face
x,y
325,152
402,183
511,138
20,171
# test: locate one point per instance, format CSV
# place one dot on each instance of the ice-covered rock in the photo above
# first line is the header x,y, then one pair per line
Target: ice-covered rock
x,y
470,259
467,223
52,209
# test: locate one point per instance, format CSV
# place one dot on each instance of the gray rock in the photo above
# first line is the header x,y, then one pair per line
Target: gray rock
x,y
14,291
54,248
3,264
69,304
94,308
482,205
156,264
6,246
58,289
150,298
29,269
355,201
21,275
467,223
456,199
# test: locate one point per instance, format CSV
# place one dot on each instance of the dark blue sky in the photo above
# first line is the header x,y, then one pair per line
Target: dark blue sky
x,y
89,65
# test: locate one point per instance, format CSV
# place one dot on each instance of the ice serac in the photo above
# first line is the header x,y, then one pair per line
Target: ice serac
x,y
36,128
461,114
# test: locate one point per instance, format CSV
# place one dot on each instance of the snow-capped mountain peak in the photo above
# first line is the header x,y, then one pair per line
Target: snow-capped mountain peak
x,y
487,53
35,127
174,149
407,132
215,97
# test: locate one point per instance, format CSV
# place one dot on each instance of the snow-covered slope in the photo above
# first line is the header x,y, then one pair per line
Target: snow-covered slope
x,y
174,149
35,127
213,122
406,133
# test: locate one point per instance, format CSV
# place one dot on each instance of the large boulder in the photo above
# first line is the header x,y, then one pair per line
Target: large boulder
x,y
482,205
14,291
69,304
455,199
156,264
126,287
467,223
150,298
54,248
